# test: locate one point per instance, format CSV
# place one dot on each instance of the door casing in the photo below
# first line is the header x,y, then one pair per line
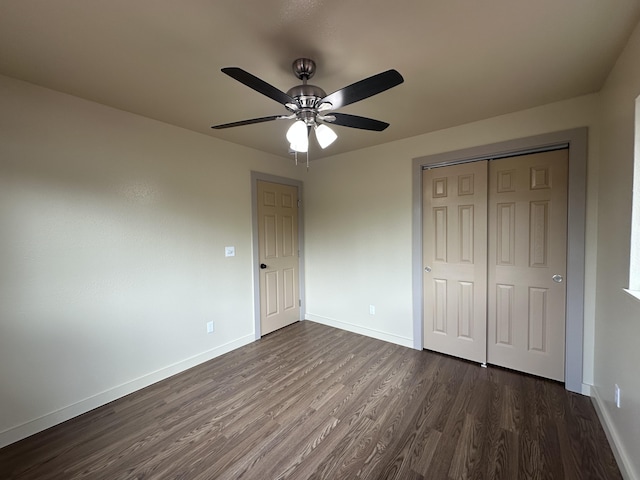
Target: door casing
x,y
576,141
255,176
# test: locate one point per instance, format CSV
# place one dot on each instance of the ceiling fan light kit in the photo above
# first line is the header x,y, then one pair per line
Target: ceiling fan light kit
x,y
307,103
325,135
297,136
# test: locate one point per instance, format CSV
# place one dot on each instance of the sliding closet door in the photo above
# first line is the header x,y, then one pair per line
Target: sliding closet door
x,y
455,260
527,263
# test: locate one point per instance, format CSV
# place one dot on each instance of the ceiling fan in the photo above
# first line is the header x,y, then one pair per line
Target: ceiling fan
x,y
311,107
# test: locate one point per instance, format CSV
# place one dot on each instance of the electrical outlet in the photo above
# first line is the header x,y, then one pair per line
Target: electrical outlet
x,y
209,327
372,309
616,395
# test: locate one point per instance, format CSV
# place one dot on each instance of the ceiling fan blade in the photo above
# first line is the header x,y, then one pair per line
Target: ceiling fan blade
x,y
248,122
363,89
257,84
355,121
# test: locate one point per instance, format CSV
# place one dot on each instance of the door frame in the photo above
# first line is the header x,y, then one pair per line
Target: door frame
x,y
255,176
576,141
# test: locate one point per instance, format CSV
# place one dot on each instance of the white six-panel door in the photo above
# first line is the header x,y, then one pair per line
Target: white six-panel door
x,y
278,255
455,260
527,263
495,261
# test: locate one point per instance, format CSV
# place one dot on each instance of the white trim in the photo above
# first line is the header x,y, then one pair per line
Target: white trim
x,y
622,457
19,432
634,293
586,389
368,332
634,247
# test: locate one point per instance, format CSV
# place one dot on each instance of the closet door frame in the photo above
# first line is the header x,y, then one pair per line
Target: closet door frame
x,y
576,141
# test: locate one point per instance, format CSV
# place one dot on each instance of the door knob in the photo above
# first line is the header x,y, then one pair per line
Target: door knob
x,y
427,269
263,266
557,278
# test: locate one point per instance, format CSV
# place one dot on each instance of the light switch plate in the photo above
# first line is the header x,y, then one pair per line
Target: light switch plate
x,y
229,251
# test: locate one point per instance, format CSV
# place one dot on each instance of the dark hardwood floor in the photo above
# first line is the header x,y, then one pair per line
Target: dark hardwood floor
x,y
312,402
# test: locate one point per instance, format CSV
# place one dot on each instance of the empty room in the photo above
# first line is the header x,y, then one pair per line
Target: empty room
x,y
319,239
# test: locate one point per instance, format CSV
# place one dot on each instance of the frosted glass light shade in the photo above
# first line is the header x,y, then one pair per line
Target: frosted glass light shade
x,y
297,132
325,135
298,136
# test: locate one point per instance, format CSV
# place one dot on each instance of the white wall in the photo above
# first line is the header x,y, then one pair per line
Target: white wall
x,y
358,221
617,347
112,235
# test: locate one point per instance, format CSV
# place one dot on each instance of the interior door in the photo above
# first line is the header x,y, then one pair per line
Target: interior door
x,y
455,260
527,263
278,255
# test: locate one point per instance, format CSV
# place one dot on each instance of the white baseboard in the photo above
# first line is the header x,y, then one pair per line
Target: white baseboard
x,y
27,429
626,468
586,389
369,332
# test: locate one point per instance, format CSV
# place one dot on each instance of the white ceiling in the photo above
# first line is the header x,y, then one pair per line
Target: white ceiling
x,y
462,60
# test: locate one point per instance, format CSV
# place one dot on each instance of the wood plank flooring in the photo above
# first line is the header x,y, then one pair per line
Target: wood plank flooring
x,y
314,402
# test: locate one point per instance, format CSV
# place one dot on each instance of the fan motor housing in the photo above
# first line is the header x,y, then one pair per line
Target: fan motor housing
x,y
306,96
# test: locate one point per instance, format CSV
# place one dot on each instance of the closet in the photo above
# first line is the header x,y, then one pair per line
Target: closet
x,y
494,251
